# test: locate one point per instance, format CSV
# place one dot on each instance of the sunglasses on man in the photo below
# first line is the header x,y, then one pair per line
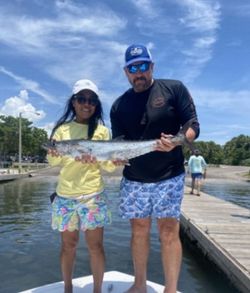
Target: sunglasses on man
x,y
142,67
84,100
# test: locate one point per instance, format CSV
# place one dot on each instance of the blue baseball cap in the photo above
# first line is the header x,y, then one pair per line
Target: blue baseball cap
x,y
136,53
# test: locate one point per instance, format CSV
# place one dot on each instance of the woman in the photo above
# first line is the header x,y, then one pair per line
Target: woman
x,y
80,202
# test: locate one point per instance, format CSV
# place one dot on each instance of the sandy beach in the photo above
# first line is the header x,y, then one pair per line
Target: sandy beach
x,y
241,173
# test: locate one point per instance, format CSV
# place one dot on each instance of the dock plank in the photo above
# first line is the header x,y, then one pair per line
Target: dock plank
x,y
222,231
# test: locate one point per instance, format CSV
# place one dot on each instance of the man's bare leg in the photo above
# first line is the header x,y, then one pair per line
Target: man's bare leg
x,y
140,250
171,252
68,253
94,239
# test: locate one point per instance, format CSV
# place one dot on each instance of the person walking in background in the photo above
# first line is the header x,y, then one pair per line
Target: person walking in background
x,y
80,202
197,167
153,184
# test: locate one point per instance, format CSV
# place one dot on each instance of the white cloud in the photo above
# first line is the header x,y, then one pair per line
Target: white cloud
x,y
237,102
191,30
24,95
99,64
222,114
76,42
30,85
204,42
38,36
201,16
201,20
13,106
146,7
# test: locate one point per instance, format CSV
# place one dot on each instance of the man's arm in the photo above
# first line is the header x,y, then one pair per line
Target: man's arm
x,y
190,135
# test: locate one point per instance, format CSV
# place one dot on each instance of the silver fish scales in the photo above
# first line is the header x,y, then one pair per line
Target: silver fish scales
x,y
107,150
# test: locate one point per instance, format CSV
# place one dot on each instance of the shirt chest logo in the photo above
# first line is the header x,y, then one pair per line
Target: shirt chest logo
x,y
158,102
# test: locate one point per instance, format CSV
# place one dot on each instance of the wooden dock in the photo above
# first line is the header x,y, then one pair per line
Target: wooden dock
x,y
10,177
222,231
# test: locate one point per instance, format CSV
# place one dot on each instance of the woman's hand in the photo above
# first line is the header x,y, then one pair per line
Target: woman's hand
x,y
86,159
53,153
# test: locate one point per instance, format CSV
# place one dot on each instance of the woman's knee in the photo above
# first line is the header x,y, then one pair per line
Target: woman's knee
x,y
94,240
96,248
69,241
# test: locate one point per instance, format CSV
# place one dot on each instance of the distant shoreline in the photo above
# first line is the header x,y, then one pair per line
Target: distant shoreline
x,y
226,172
213,172
222,172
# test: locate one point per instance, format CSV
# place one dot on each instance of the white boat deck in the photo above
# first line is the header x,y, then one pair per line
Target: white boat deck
x,y
114,282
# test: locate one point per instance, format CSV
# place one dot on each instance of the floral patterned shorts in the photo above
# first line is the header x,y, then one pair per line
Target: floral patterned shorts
x,y
159,199
85,214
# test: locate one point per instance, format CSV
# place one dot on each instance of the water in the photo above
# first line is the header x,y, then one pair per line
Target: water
x,y
29,249
233,191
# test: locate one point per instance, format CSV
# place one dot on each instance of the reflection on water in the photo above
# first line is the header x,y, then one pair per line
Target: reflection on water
x,y
29,249
233,191
237,192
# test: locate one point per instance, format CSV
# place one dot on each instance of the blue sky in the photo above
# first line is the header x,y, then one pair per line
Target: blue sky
x,y
45,46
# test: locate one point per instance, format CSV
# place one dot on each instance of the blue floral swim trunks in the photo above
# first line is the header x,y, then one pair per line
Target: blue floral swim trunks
x,y
85,214
159,199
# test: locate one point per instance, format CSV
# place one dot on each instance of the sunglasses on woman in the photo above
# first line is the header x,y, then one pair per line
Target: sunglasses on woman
x,y
84,100
134,68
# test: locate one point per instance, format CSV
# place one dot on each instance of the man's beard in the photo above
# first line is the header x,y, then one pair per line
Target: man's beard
x,y
141,86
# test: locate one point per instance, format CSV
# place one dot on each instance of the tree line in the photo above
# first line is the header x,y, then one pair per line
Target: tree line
x,y
234,152
32,139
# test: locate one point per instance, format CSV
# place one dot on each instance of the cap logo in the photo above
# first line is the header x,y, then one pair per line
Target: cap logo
x,y
136,51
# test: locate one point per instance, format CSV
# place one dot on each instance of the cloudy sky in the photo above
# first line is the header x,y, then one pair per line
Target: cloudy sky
x,y
45,46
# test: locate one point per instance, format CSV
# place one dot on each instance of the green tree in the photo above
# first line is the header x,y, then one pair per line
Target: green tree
x,y
39,136
32,137
237,151
8,135
212,152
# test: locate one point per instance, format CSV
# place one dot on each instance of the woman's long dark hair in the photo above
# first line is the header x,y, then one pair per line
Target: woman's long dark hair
x,y
70,113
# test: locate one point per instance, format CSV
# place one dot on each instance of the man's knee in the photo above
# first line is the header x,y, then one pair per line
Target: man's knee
x,y
140,227
169,231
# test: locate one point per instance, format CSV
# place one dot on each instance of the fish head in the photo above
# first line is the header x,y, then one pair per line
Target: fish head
x,y
49,145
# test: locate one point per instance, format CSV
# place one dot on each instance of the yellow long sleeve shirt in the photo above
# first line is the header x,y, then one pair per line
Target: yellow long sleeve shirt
x,y
76,178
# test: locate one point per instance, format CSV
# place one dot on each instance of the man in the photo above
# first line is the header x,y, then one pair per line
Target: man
x,y
197,167
153,184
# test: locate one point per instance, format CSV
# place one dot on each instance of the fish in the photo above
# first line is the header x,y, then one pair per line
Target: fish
x,y
104,150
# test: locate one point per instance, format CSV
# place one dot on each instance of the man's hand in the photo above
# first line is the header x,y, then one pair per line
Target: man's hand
x,y
165,144
119,162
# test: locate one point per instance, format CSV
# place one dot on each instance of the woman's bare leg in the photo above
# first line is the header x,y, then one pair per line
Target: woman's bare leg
x,y
94,240
68,253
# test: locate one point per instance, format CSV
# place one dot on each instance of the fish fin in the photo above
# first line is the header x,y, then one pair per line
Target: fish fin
x,y
183,131
185,127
